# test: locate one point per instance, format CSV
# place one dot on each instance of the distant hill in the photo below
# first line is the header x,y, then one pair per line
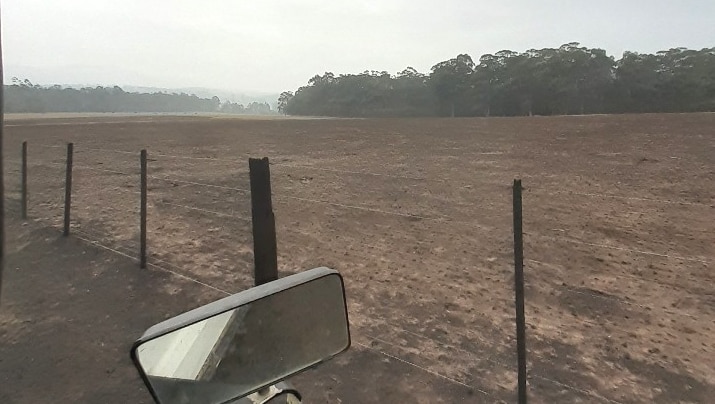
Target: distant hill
x,y
72,76
22,96
244,98
238,97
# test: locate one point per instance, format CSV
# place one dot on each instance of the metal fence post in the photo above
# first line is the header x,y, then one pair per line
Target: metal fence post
x,y
24,180
519,292
68,188
142,210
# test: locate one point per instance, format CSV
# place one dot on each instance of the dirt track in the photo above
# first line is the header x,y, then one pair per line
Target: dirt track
x,y
620,302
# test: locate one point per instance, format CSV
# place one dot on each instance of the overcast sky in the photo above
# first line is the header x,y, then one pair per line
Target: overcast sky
x,y
271,46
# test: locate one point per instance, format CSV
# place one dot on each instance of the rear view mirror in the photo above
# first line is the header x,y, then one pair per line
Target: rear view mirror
x,y
236,346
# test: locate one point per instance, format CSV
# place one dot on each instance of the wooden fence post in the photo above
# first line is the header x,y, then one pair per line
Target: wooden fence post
x,y
68,188
142,210
265,253
24,180
519,292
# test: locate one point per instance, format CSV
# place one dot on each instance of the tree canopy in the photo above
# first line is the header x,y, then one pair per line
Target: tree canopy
x,y
570,79
23,96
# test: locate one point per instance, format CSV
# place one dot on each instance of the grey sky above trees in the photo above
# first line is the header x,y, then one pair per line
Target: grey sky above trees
x,y
278,45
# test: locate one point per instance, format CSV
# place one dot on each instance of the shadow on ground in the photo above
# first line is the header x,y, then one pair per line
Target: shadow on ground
x,y
70,312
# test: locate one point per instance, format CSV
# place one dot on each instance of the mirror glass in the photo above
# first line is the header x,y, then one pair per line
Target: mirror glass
x,y
239,351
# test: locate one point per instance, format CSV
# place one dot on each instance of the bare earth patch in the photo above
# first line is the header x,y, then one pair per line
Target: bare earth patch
x,y
416,214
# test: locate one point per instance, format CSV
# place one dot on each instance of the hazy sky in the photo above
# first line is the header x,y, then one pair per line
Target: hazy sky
x,y
263,45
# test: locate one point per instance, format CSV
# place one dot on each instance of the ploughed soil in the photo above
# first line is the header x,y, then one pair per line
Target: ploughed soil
x,y
417,216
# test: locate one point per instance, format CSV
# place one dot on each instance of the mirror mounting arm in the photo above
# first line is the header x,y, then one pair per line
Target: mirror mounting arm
x,y
265,396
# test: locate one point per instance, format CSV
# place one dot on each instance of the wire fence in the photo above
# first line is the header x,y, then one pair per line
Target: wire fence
x,y
442,224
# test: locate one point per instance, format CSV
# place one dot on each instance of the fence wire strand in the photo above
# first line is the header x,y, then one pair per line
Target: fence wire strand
x,y
126,245
444,344
333,170
177,271
191,279
81,167
169,179
615,299
81,149
424,369
612,196
47,146
362,208
165,266
212,212
576,389
624,275
153,265
612,247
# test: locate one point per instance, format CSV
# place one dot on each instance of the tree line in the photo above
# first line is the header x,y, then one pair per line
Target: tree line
x,y
570,79
23,96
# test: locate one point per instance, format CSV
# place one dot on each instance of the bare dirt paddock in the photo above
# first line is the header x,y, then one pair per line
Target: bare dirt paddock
x,y
416,214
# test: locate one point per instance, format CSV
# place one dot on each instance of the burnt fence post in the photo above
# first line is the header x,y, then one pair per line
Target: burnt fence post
x,y
265,254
